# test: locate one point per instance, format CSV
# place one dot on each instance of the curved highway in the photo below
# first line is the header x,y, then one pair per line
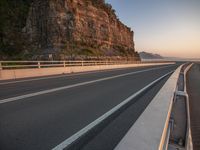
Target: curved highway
x,y
42,113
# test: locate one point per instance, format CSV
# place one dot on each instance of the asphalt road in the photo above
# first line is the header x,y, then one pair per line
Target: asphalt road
x,y
13,89
46,119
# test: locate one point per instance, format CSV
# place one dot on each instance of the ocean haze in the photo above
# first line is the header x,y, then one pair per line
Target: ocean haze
x,y
170,28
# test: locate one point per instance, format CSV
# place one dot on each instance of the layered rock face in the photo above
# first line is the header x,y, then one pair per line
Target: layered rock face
x,y
84,26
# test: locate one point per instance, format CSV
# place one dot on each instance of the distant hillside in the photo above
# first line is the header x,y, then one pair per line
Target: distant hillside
x,y
145,55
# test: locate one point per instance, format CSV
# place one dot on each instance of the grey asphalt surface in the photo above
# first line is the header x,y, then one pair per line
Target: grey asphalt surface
x,y
44,121
193,87
21,88
111,135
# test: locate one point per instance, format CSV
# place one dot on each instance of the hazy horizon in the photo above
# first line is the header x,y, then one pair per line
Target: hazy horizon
x,y
169,28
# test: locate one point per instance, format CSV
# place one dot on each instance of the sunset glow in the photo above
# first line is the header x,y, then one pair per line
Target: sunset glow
x,y
170,28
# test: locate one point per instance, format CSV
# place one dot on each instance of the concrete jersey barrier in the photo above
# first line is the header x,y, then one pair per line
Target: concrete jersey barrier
x,y
149,131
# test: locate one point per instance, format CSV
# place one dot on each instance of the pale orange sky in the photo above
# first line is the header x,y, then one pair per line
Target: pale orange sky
x,y
169,28
181,40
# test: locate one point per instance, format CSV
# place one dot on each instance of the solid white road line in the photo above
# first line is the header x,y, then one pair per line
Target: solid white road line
x,y
74,85
83,131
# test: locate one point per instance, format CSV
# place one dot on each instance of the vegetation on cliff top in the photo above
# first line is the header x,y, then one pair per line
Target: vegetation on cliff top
x,y
103,5
12,20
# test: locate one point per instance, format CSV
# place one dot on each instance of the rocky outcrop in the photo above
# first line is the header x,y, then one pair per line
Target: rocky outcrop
x,y
88,27
30,29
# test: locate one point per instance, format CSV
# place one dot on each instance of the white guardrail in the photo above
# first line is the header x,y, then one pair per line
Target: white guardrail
x,y
47,64
151,131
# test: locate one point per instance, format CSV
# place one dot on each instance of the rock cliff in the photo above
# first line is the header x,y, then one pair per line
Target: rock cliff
x,y
77,28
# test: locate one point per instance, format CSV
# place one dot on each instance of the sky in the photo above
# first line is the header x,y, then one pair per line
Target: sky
x,y
167,27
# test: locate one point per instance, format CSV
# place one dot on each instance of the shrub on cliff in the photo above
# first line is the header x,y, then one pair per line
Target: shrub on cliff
x,y
103,5
12,20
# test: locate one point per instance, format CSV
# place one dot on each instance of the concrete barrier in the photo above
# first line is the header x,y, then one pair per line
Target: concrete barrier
x,y
150,130
37,72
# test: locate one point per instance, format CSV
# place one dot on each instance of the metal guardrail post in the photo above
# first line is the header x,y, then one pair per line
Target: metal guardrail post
x,y
39,65
82,64
64,63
